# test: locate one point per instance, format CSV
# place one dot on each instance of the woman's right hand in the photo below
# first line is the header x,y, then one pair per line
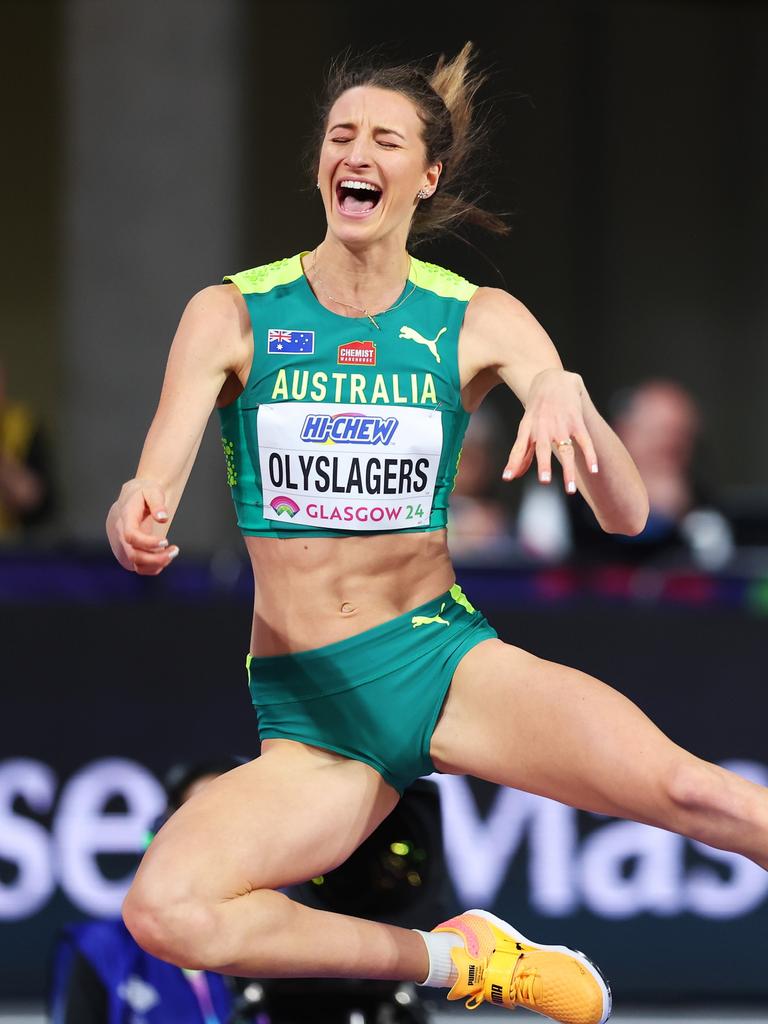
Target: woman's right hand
x,y
134,529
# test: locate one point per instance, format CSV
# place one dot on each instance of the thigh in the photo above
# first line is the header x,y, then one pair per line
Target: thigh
x,y
289,815
518,720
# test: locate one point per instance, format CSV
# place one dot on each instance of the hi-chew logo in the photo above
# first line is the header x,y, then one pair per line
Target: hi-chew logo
x,y
357,353
284,505
349,428
290,343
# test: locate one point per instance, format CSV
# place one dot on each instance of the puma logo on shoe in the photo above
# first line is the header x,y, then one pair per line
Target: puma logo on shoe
x,y
424,620
409,334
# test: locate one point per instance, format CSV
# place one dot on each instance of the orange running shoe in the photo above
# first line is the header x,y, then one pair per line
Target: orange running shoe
x,y
499,965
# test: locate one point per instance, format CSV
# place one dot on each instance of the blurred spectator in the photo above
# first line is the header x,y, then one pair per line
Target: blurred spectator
x,y
101,976
478,525
660,425
25,483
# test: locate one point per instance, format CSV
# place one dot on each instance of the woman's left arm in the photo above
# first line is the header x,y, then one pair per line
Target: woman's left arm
x,y
509,340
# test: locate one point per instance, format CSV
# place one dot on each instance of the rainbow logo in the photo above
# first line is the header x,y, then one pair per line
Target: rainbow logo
x,y
282,503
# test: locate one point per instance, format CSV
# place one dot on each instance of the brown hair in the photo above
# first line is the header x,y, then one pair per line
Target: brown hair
x,y
451,134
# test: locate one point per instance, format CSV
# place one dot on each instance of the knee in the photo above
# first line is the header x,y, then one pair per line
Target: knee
x,y
171,927
197,935
696,786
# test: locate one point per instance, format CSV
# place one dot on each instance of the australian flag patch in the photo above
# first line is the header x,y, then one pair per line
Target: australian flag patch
x,y
290,343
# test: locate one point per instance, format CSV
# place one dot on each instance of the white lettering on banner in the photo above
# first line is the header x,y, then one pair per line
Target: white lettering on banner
x,y
655,884
82,804
478,851
362,468
81,831
619,870
24,842
708,894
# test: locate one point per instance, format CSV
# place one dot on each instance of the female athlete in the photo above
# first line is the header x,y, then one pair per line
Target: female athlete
x,y
344,378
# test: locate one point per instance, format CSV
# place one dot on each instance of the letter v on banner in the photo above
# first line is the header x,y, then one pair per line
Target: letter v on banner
x,y
479,850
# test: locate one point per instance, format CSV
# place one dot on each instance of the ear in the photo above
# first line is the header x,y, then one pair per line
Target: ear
x,y
433,175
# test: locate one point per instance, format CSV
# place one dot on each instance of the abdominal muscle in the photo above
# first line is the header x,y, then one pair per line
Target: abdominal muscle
x,y
313,591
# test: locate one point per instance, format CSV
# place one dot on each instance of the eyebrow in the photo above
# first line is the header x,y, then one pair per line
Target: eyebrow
x,y
378,128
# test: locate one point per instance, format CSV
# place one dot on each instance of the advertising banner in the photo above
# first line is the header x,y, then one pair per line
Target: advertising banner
x,y
100,698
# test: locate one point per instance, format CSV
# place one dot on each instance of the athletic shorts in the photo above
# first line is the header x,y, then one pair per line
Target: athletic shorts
x,y
376,696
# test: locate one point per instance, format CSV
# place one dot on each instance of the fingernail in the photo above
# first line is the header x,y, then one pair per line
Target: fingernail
x,y
162,543
161,516
593,467
507,474
571,487
545,477
173,552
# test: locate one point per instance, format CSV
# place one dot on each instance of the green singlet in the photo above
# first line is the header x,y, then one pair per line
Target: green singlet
x,y
344,428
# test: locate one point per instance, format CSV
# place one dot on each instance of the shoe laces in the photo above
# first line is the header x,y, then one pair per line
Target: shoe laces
x,y
523,982
522,989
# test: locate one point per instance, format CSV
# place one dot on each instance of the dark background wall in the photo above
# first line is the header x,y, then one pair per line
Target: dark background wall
x,y
31,184
628,144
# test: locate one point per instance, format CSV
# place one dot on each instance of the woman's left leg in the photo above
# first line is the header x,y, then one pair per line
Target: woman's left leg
x,y
534,725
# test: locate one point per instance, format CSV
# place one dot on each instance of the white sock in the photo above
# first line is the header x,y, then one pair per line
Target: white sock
x,y
442,970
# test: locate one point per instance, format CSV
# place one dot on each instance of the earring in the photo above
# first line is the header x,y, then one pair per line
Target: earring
x,y
317,185
422,194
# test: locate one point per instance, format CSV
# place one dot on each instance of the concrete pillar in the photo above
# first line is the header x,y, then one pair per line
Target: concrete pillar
x,y
153,172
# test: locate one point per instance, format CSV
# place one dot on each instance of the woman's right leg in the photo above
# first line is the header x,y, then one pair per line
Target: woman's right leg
x,y
204,895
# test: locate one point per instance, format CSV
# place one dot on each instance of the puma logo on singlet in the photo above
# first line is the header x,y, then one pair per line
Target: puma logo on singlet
x,y
408,334
425,620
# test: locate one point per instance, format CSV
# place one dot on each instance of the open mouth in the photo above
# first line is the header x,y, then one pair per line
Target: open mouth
x,y
357,198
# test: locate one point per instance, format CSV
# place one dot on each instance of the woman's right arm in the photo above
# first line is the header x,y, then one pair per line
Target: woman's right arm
x,y
212,341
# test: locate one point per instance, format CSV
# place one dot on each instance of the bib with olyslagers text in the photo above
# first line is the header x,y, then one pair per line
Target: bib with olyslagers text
x,y
343,428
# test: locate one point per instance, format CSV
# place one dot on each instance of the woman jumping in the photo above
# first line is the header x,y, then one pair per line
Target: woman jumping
x,y
344,377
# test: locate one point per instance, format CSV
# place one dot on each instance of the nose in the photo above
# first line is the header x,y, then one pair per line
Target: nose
x,y
359,153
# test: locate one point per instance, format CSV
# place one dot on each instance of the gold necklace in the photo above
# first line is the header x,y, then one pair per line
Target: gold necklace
x,y
319,280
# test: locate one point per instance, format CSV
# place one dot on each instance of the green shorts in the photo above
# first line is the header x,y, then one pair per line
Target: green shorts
x,y
375,697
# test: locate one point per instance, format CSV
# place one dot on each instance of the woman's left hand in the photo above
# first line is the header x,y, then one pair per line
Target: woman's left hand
x,y
553,413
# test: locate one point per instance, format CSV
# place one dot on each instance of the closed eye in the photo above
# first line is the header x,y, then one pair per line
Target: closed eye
x,y
387,145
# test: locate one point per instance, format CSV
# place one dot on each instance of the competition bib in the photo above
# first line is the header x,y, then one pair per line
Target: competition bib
x,y
362,467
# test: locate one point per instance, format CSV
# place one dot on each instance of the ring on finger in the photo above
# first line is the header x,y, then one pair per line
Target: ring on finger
x,y
568,442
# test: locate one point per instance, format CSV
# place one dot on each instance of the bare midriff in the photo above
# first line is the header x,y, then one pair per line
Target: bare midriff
x,y
313,591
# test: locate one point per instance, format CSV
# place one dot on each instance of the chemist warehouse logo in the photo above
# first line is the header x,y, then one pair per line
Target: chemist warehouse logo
x,y
357,353
349,428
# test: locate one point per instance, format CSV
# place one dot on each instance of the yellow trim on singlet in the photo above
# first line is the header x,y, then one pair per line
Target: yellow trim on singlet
x,y
442,282
264,279
428,276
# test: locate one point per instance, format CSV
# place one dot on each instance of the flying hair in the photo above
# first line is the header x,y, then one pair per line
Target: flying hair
x,y
452,132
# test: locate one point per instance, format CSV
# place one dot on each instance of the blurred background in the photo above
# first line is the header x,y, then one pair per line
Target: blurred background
x,y
150,148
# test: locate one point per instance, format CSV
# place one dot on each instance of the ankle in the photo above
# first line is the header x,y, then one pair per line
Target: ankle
x,y
442,970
